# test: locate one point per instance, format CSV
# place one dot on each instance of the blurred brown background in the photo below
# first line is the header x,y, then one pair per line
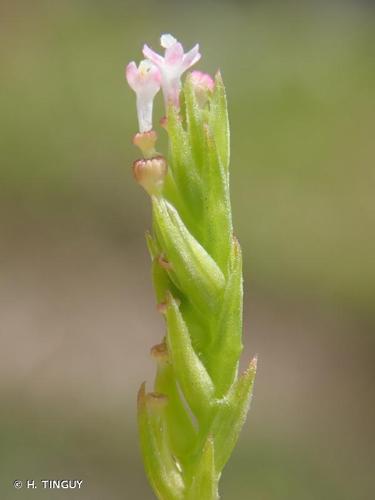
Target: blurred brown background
x,y
76,303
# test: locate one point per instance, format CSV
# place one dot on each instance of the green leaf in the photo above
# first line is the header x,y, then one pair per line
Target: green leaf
x,y
231,415
194,121
191,374
161,280
182,164
226,346
194,272
180,427
160,466
219,122
217,214
205,481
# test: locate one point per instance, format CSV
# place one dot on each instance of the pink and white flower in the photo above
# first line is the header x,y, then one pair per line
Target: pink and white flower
x,y
145,81
174,63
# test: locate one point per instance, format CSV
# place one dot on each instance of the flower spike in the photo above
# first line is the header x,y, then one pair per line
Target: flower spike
x,y
174,63
145,81
190,424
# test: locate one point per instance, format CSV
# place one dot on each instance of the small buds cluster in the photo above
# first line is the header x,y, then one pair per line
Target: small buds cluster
x,y
153,73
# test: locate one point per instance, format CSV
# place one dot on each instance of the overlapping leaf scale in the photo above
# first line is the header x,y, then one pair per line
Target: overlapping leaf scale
x,y
184,171
193,270
180,427
217,209
191,374
231,415
226,345
160,465
205,482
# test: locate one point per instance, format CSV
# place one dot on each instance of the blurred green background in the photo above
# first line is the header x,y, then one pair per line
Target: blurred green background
x,y
76,304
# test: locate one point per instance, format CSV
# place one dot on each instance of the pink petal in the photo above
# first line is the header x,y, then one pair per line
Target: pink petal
x,y
155,75
174,55
131,73
191,57
152,56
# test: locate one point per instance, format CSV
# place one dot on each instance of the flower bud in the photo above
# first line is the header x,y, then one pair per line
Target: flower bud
x,y
146,141
156,402
150,173
203,85
159,352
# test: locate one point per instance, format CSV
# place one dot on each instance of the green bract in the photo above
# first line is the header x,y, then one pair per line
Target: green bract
x,y
190,424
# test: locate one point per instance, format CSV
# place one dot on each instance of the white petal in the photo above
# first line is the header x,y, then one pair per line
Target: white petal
x,y
167,40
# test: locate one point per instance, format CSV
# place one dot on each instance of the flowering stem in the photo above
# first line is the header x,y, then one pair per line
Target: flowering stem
x,y
190,424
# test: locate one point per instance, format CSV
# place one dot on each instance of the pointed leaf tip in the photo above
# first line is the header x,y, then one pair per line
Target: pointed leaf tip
x,y
161,469
191,374
141,397
205,482
254,363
